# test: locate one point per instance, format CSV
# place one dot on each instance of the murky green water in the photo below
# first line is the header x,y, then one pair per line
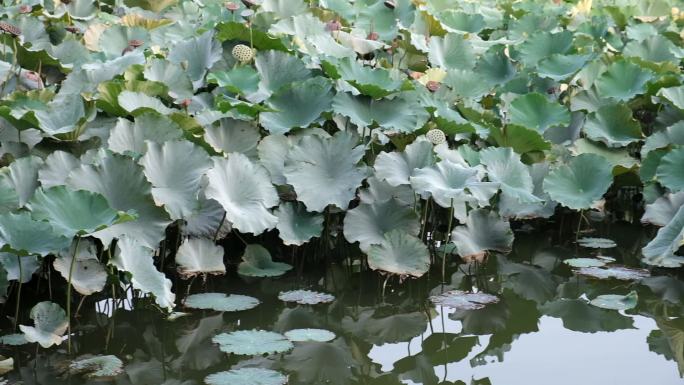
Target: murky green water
x,y
542,331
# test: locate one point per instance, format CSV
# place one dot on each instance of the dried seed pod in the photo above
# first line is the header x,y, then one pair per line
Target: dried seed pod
x,y
10,29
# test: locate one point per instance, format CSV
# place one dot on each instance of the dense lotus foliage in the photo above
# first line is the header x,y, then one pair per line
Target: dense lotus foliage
x,y
136,136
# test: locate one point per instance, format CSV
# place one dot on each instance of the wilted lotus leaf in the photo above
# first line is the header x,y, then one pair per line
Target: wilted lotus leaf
x,y
221,302
305,297
304,335
252,342
596,243
484,230
247,376
616,301
296,226
368,223
399,253
100,367
617,272
461,300
581,182
257,262
200,256
585,262
50,323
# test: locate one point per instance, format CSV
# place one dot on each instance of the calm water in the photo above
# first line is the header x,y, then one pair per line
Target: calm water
x,y
542,332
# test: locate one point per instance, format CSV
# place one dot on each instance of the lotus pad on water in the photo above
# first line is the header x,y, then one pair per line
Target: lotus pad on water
x,y
461,300
247,376
305,297
584,262
616,301
596,243
252,342
100,367
257,262
221,302
302,335
616,272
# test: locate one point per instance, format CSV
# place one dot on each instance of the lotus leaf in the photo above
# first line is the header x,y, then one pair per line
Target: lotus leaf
x,y
580,316
484,230
623,80
50,323
13,340
277,69
296,226
22,177
670,172
373,82
615,272
399,253
445,181
257,262
397,167
675,95
368,223
130,138
535,111
661,250
663,209
584,262
20,267
321,362
581,182
304,335
252,342
305,297
57,167
596,243
88,275
200,256
616,301
613,125
247,376
297,105
21,233
197,54
396,114
221,302
233,136
504,167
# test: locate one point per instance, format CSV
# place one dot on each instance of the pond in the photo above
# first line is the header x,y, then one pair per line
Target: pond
x,y
542,329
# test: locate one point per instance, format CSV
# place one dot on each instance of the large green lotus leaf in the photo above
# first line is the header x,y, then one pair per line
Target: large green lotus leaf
x,y
543,44
445,181
670,172
207,221
122,181
307,335
175,170
483,231
197,55
398,114
115,39
623,80
88,275
505,167
457,21
247,376
138,103
535,111
324,171
545,207
453,51
129,138
9,200
72,212
321,363
285,8
257,262
581,182
245,191
252,342
559,67
312,38
674,95
673,134
62,115
57,167
368,223
399,253
657,49
296,226
133,257
273,150
579,316
50,323
22,177
97,367
613,125
467,83
22,233
232,135
619,158
278,69
373,82
616,301
381,191
297,105
397,167
93,73
200,256
495,68
170,74
663,209
461,300
520,139
242,80
221,302
661,250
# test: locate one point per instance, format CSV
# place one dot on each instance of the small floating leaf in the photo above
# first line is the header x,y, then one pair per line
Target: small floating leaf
x,y
461,300
252,342
584,262
100,367
318,335
616,301
247,376
616,272
221,302
596,243
257,262
305,297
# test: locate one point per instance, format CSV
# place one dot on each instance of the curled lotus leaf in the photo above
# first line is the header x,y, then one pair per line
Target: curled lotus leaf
x,y
615,272
100,367
247,376
461,300
397,167
252,342
368,223
616,301
50,324
305,297
596,243
200,256
257,262
303,335
221,302
445,181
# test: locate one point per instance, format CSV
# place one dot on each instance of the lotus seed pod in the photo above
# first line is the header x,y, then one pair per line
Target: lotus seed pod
x,y
9,28
436,136
243,53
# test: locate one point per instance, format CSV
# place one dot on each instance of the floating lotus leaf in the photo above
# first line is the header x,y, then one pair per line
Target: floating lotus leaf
x,y
245,191
130,138
305,297
613,125
596,243
461,300
197,55
445,181
399,253
670,172
504,167
581,182
585,262
200,256
616,301
623,80
324,171
257,262
483,231
97,367
368,223
57,167
398,114
663,209
296,226
397,167
304,335
579,316
50,323
247,376
537,112
252,342
615,272
660,251
72,212
297,105
221,302
13,340
175,170
88,275
133,257
675,95
233,136
21,233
